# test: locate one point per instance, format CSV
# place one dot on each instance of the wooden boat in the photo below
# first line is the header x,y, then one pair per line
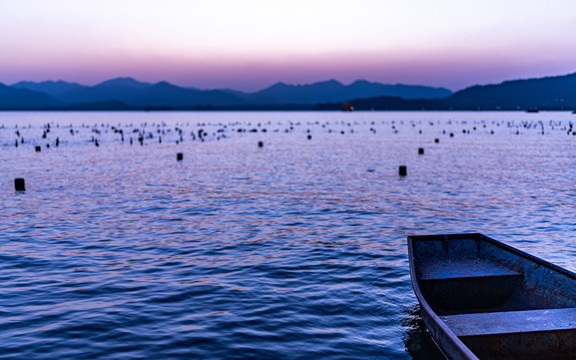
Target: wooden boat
x,y
482,299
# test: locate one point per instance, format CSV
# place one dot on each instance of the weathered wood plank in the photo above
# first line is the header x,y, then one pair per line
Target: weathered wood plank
x,y
480,324
440,269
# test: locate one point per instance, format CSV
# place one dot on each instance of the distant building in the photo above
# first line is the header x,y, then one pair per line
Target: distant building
x,y
347,107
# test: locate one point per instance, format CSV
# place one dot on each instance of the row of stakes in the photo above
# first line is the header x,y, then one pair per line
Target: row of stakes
x,y
451,134
260,144
20,184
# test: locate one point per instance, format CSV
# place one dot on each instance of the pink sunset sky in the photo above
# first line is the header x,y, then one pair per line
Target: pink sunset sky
x,y
248,45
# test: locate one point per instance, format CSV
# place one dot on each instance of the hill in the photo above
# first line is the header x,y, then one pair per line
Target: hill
x,y
52,88
334,91
555,93
135,93
14,99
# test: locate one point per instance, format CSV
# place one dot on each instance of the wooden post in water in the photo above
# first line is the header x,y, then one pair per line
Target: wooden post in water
x,y
420,151
180,156
402,171
19,184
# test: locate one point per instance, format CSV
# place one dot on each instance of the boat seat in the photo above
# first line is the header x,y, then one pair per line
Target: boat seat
x,y
443,269
510,322
459,285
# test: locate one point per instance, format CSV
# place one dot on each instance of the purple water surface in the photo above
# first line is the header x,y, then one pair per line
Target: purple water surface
x,y
292,250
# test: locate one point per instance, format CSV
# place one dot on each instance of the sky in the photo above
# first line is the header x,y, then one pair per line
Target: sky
x,y
251,44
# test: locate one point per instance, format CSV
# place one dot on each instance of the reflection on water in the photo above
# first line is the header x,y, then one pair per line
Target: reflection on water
x,y
293,250
419,343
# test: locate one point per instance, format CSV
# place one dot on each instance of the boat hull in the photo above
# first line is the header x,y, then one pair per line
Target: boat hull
x,y
465,281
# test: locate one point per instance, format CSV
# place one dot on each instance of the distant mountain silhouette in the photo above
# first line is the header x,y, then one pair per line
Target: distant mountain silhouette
x,y
554,93
52,88
132,93
166,94
135,93
543,93
365,89
14,99
124,82
332,90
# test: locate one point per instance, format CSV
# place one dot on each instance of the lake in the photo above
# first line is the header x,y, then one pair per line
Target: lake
x,y
295,249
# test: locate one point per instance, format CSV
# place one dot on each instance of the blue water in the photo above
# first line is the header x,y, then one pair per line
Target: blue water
x,y
292,250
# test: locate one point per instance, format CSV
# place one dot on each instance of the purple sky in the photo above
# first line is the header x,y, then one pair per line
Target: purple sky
x,y
252,44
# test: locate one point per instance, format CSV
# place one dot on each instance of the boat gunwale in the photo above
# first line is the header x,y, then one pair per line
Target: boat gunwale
x,y
466,353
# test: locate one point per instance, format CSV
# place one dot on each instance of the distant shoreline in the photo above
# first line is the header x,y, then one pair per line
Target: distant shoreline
x,y
277,110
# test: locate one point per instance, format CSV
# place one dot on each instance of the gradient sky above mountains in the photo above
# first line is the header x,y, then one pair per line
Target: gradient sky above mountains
x,y
250,44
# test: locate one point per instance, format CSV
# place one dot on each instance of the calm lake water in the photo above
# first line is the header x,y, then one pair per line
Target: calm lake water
x,y
292,250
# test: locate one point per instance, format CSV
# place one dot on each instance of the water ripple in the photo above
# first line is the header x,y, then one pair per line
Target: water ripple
x,y
291,251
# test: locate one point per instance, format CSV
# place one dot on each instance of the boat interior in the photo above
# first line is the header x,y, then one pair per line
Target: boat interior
x,y
500,302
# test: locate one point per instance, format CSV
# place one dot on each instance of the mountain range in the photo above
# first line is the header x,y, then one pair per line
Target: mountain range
x,y
558,92
135,94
